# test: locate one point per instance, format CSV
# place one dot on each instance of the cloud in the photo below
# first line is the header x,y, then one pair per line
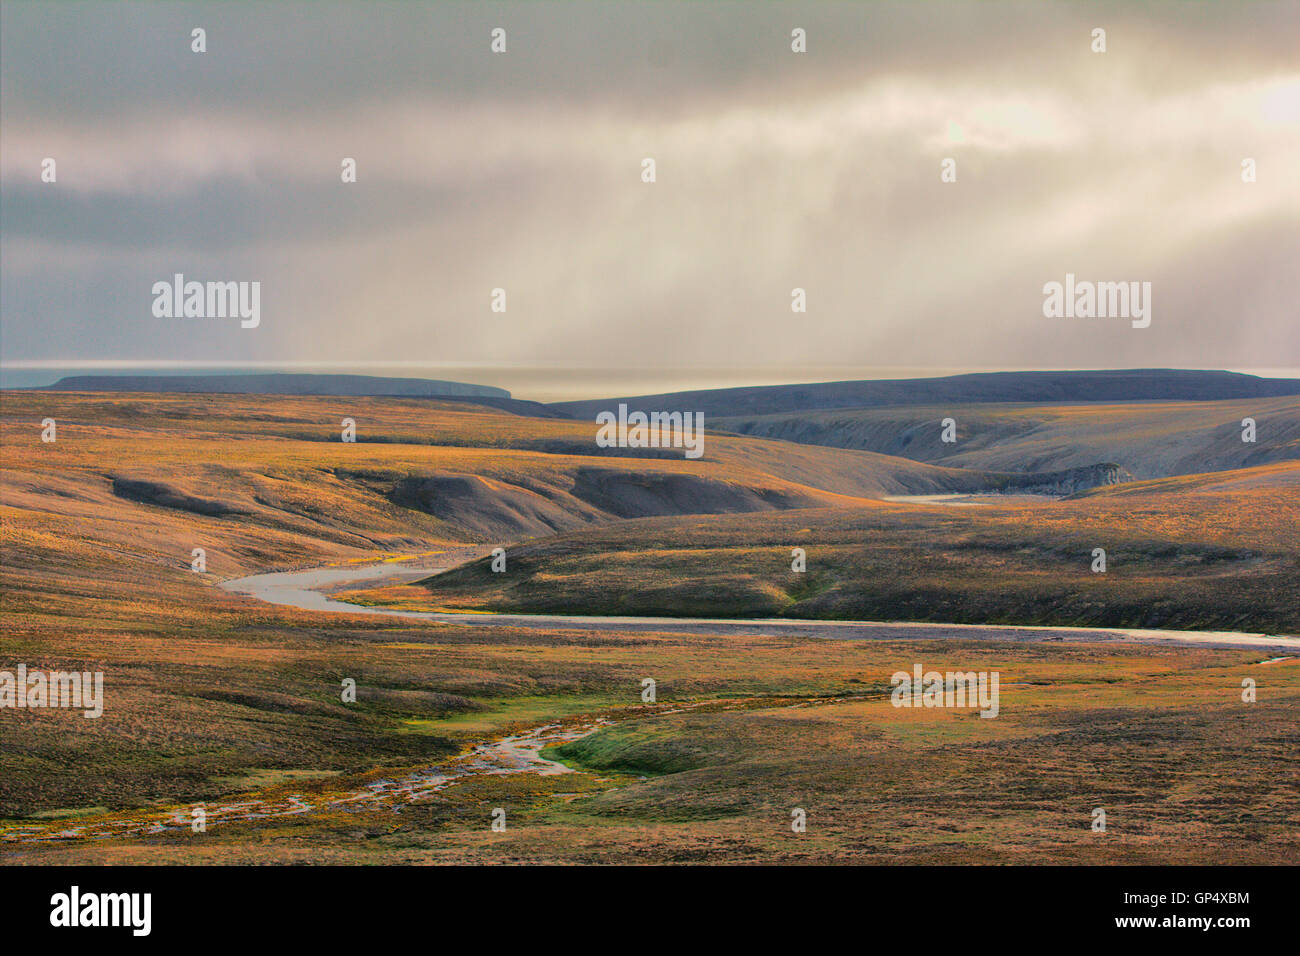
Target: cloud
x,y
774,171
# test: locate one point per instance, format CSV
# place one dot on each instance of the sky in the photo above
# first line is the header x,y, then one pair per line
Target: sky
x,y
775,170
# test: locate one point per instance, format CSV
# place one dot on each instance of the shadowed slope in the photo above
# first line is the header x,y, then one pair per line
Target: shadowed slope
x,y
1148,439
1117,385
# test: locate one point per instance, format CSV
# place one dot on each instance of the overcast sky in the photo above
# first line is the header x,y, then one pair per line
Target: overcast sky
x,y
775,170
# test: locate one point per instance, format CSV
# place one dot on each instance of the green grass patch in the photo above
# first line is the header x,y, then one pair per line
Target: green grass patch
x,y
631,750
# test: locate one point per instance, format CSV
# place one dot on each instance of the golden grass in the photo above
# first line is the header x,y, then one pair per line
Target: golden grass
x,y
211,695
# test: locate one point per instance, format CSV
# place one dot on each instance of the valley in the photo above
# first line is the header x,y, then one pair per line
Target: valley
x,y
624,565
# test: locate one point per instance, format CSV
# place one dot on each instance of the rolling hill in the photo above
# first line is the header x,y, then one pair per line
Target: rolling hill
x,y
260,482
1119,385
1212,552
1150,439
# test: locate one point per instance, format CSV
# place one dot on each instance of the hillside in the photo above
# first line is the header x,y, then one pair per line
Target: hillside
x,y
420,470
136,481
1120,385
221,699
1149,439
1215,552
260,482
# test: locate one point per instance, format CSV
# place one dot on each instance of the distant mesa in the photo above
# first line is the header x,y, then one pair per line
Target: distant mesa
x,y
279,383
1115,385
